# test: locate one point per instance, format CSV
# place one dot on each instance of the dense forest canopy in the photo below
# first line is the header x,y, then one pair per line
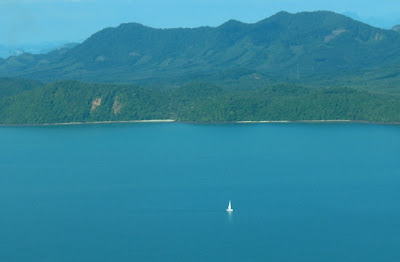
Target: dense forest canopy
x,y
72,101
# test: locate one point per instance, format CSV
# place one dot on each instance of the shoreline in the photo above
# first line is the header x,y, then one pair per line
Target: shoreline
x,y
296,121
95,123
192,122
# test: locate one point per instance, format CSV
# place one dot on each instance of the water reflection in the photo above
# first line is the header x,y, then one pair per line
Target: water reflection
x,y
230,217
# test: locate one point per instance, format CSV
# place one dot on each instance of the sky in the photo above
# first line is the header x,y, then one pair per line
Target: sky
x,y
38,21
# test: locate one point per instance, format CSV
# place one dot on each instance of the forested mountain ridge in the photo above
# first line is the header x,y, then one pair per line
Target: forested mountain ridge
x,y
303,66
282,47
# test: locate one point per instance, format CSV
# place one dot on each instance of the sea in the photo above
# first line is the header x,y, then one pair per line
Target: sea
x,y
159,192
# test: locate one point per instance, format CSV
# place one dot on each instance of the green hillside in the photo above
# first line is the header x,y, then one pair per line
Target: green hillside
x,y
297,48
71,101
10,86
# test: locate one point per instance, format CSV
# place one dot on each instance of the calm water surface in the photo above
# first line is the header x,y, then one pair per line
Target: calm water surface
x,y
158,192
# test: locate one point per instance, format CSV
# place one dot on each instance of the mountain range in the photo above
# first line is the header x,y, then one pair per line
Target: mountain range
x,y
294,67
285,47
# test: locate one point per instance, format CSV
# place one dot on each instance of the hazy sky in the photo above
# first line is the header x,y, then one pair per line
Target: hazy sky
x,y
33,21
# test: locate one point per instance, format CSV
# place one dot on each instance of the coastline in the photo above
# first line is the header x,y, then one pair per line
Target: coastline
x,y
96,122
193,122
113,122
297,121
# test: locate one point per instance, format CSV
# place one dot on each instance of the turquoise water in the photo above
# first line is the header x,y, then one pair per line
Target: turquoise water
x,y
158,192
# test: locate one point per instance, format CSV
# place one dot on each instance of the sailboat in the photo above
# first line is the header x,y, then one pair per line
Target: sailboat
x,y
229,207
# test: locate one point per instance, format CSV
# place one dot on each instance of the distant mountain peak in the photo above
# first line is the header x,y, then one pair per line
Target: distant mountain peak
x,y
232,25
283,13
232,22
131,24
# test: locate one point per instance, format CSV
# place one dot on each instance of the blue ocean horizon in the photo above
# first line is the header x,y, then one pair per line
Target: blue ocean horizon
x,y
159,192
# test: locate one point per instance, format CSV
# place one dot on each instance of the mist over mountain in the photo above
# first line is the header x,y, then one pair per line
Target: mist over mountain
x,y
396,28
385,22
282,47
38,48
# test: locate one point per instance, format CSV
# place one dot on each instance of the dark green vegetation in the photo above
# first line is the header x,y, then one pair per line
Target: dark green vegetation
x,y
71,101
10,86
305,66
304,47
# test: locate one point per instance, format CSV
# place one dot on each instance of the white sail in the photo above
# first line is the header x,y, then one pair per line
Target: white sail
x,y
229,207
